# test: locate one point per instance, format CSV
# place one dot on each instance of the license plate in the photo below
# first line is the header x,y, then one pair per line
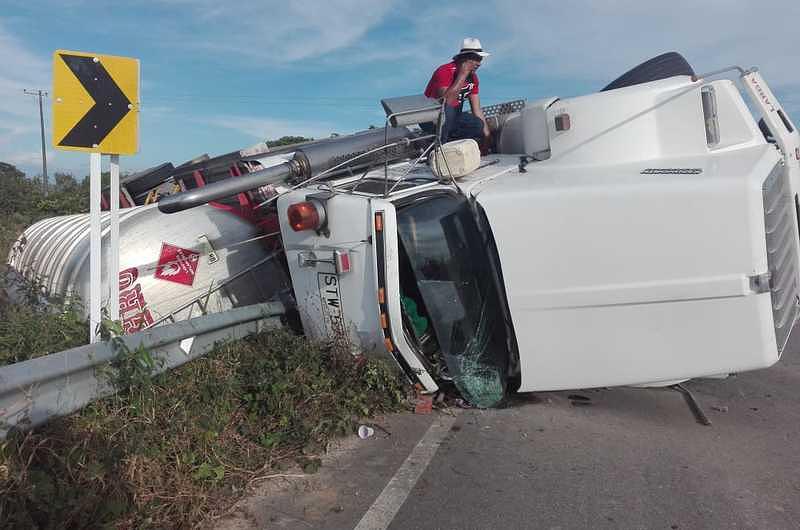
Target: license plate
x,y
331,300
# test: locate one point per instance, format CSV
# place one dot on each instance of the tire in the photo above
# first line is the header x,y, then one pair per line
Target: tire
x,y
148,179
665,65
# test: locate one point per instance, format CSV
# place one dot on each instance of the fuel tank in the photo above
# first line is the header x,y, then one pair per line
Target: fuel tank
x,y
172,267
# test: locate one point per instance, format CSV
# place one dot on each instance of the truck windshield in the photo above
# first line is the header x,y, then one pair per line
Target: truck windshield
x,y
455,281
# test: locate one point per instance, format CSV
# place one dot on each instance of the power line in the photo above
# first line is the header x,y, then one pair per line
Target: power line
x,y
345,101
41,94
260,97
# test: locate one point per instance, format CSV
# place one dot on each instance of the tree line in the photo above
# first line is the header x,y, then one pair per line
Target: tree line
x,y
22,200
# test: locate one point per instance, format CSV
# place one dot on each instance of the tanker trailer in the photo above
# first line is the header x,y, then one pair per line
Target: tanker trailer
x,y
172,267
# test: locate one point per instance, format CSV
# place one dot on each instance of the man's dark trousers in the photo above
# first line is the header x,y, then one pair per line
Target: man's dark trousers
x,y
458,125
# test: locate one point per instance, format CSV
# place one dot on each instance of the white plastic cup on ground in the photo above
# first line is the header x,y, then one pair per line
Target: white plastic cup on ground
x,y
365,432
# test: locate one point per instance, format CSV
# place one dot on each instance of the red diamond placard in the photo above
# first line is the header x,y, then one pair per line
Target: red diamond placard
x,y
176,264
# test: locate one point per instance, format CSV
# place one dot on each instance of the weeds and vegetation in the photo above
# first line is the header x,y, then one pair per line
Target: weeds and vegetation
x,y
33,328
172,450
27,332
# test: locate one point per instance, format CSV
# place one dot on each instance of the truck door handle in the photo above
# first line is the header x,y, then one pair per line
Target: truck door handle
x,y
340,259
309,259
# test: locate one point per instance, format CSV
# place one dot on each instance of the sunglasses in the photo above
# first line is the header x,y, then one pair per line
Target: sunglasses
x,y
472,57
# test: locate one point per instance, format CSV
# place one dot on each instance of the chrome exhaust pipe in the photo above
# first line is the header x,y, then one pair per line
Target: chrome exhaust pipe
x,y
225,188
311,160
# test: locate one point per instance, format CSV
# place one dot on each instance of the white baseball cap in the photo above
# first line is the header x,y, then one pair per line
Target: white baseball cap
x,y
472,45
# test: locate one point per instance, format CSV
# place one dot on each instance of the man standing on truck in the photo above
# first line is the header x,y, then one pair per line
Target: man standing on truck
x,y
454,82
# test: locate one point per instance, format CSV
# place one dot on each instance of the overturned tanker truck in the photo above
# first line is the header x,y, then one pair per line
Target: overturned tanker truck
x,y
642,235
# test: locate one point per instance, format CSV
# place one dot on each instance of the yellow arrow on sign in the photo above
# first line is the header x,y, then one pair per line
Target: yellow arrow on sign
x,y
95,102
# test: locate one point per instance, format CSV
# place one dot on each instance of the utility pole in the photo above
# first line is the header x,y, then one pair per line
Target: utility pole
x,y
41,94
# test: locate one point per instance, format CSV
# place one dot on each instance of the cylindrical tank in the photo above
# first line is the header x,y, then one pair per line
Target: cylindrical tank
x,y
166,262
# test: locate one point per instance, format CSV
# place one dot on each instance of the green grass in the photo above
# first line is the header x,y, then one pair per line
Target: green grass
x,y
28,331
177,449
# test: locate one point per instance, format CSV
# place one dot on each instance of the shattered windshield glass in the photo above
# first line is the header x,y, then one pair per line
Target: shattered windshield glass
x,y
453,274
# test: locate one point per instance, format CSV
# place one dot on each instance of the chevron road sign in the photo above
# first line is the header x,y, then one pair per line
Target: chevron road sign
x,y
95,103
96,110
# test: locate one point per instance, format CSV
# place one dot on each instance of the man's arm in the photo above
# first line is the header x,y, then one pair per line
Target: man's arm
x,y
450,94
475,105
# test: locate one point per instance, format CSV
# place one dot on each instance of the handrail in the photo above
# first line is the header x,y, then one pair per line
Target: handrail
x,y
742,72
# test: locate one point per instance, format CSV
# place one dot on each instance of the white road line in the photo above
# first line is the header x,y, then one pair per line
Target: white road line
x,y
391,499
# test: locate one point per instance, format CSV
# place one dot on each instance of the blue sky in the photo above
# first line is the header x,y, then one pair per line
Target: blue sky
x,y
218,77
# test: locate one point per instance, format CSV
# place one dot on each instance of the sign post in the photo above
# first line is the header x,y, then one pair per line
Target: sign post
x,y
95,264
96,110
113,256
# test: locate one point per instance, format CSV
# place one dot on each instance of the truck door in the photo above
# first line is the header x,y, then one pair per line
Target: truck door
x,y
446,283
358,308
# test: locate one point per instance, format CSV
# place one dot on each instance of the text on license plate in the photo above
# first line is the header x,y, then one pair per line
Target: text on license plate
x,y
330,297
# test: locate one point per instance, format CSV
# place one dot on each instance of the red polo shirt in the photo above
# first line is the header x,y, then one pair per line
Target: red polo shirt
x,y
443,77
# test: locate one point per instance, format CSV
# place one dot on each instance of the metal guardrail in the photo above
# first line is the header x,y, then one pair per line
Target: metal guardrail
x,y
34,391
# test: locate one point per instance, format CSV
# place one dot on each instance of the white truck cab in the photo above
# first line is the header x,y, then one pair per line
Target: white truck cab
x,y
643,235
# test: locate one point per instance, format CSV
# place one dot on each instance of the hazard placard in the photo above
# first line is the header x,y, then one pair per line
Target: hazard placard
x,y
95,103
177,264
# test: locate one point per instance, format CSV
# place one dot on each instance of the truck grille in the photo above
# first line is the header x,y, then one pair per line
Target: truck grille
x,y
782,256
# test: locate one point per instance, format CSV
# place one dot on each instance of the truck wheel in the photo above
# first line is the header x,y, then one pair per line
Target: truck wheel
x,y
665,65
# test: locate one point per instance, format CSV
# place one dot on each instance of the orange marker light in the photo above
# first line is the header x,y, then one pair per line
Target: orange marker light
x,y
306,215
381,296
388,342
379,222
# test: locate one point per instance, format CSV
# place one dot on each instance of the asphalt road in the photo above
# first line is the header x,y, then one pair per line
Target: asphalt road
x,y
627,458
